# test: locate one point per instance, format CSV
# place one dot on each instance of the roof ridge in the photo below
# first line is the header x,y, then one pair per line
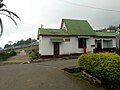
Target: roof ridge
x,y
48,29
74,19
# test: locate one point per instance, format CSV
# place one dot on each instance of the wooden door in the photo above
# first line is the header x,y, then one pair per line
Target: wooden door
x,y
56,49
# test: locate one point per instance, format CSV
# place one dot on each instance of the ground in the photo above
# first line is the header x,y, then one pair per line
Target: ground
x,y
38,76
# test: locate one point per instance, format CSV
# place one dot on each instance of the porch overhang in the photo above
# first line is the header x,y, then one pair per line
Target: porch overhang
x,y
57,40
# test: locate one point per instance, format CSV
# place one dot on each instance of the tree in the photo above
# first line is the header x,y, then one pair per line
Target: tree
x,y
118,26
6,46
112,28
4,11
28,41
10,42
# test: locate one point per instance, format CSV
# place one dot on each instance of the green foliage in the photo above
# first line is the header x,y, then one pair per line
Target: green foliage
x,y
22,42
34,54
3,55
12,53
7,46
105,66
6,54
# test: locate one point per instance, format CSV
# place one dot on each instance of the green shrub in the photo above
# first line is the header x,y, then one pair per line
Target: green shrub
x,y
3,55
34,54
6,54
12,53
105,66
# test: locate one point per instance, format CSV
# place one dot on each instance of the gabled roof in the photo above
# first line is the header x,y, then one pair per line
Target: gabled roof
x,y
56,32
78,27
107,34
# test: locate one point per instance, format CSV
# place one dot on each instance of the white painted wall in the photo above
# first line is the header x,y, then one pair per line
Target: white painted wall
x,y
66,48
90,41
40,44
47,46
114,42
64,27
72,46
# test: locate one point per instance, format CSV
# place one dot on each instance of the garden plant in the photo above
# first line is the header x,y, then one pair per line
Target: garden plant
x,y
104,66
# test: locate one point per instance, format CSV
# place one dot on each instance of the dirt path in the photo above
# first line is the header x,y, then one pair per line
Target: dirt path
x,y
19,58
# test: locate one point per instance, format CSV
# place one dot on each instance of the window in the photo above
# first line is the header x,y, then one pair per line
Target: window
x,y
107,43
81,43
98,44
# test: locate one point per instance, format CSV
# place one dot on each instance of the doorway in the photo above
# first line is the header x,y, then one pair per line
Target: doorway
x,y
56,49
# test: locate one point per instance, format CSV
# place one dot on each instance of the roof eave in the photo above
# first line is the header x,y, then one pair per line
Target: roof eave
x,y
51,35
105,36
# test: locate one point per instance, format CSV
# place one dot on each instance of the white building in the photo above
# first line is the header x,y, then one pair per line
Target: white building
x,y
105,41
74,37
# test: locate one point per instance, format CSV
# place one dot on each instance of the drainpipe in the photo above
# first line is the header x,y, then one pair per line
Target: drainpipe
x,y
84,47
84,50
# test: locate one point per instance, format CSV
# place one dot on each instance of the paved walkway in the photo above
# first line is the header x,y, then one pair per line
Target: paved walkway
x,y
46,75
38,76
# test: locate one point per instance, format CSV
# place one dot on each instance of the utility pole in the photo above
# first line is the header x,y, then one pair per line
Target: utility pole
x,y
118,38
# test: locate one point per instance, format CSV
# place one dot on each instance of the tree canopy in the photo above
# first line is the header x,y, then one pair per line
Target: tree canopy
x,y
22,42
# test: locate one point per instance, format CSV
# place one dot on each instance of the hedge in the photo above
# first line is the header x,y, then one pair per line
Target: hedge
x,y
105,66
6,54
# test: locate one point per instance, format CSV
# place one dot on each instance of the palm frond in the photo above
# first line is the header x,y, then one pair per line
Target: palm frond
x,y
1,1
16,15
1,26
9,12
6,11
10,18
2,5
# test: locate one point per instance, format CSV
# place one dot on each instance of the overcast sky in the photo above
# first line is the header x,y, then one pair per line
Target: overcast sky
x,y
33,13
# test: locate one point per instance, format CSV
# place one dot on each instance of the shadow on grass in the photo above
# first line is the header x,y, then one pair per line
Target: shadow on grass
x,y
76,75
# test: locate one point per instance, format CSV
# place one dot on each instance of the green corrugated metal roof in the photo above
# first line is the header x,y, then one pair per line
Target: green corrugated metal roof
x,y
57,40
52,31
78,27
105,33
75,27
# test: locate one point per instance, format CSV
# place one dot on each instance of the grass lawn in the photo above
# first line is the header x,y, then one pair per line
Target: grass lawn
x,y
76,76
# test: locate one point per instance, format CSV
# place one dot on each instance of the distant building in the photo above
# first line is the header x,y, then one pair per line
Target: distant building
x,y
106,30
1,49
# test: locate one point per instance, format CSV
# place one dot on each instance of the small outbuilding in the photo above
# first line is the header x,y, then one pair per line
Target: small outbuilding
x,y
73,37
